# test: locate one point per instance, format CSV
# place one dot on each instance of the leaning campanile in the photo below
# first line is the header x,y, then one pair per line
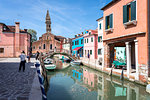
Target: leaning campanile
x,y
48,23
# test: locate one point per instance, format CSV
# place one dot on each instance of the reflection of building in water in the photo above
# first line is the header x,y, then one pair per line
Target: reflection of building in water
x,y
100,86
77,74
122,91
89,79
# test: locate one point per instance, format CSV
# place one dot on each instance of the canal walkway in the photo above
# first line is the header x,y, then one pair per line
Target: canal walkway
x,y
16,85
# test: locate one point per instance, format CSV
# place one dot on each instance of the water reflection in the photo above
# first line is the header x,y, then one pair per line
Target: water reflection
x,y
82,83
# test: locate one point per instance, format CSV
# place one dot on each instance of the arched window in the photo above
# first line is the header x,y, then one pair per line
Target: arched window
x,y
51,46
43,46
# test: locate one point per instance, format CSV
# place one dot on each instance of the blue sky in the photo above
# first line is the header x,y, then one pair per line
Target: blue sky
x,y
69,17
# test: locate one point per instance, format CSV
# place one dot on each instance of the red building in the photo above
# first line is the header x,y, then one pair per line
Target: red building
x,y
13,40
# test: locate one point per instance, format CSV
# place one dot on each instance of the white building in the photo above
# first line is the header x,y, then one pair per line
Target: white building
x,y
67,45
100,50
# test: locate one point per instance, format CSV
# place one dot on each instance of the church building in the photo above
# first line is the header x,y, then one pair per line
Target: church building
x,y
48,41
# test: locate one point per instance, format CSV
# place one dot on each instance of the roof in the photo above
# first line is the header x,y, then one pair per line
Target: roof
x,y
110,3
99,18
11,28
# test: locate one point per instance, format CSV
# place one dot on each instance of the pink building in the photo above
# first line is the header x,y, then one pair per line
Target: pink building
x,y
126,25
13,40
90,44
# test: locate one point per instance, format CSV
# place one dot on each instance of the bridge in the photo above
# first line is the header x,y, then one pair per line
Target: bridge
x,y
64,52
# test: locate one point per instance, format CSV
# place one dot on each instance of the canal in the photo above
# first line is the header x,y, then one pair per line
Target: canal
x,y
82,83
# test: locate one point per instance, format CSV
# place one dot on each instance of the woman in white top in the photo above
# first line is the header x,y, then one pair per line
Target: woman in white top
x,y
22,61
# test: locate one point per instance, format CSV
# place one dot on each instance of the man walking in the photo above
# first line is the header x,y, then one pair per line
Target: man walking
x,y
22,61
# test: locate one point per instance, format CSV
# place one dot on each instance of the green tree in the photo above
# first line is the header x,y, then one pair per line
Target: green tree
x,y
33,34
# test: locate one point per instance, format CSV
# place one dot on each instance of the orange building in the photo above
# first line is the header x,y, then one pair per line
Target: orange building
x,y
47,41
13,40
126,25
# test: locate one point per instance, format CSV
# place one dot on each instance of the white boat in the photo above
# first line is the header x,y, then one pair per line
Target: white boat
x,y
76,62
50,66
48,61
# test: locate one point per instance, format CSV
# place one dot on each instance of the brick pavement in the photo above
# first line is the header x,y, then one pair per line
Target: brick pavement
x,y
15,85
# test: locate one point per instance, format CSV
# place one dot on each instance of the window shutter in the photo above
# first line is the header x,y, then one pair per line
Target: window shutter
x,y
133,10
98,39
111,20
106,23
125,14
100,26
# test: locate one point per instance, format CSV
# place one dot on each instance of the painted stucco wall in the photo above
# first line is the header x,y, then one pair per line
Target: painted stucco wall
x,y
120,30
75,46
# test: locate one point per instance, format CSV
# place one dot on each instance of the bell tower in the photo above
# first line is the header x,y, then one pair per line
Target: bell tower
x,y
48,23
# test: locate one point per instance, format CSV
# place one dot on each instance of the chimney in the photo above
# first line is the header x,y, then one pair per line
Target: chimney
x,y
25,30
17,27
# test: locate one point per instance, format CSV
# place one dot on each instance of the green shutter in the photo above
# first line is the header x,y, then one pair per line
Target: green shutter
x,y
100,26
106,23
98,51
98,39
125,19
133,10
111,21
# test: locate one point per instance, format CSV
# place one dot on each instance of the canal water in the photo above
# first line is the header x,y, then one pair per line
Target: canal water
x,y
82,83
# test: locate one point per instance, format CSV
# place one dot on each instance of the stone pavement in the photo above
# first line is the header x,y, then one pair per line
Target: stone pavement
x,y
16,85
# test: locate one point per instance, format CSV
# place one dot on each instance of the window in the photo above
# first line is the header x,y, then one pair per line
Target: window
x,y
43,46
72,43
39,47
99,51
129,12
78,42
85,52
81,41
89,33
100,39
1,50
34,47
100,27
90,52
91,39
109,22
87,40
51,46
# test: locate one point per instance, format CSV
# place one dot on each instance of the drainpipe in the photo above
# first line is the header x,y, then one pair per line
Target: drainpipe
x,y
148,38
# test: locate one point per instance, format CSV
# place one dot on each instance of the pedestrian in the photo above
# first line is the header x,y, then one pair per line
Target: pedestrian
x,y
22,61
78,56
88,55
37,55
29,57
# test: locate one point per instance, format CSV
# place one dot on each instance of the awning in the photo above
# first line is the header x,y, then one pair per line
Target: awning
x,y
77,48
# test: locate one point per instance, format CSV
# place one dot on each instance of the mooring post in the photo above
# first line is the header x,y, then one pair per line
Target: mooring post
x,y
41,81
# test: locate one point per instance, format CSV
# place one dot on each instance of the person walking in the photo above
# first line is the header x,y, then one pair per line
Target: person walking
x,y
22,61
37,55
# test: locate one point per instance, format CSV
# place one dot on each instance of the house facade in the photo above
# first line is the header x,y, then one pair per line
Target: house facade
x,y
48,41
90,44
13,40
78,45
67,45
126,25
100,51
